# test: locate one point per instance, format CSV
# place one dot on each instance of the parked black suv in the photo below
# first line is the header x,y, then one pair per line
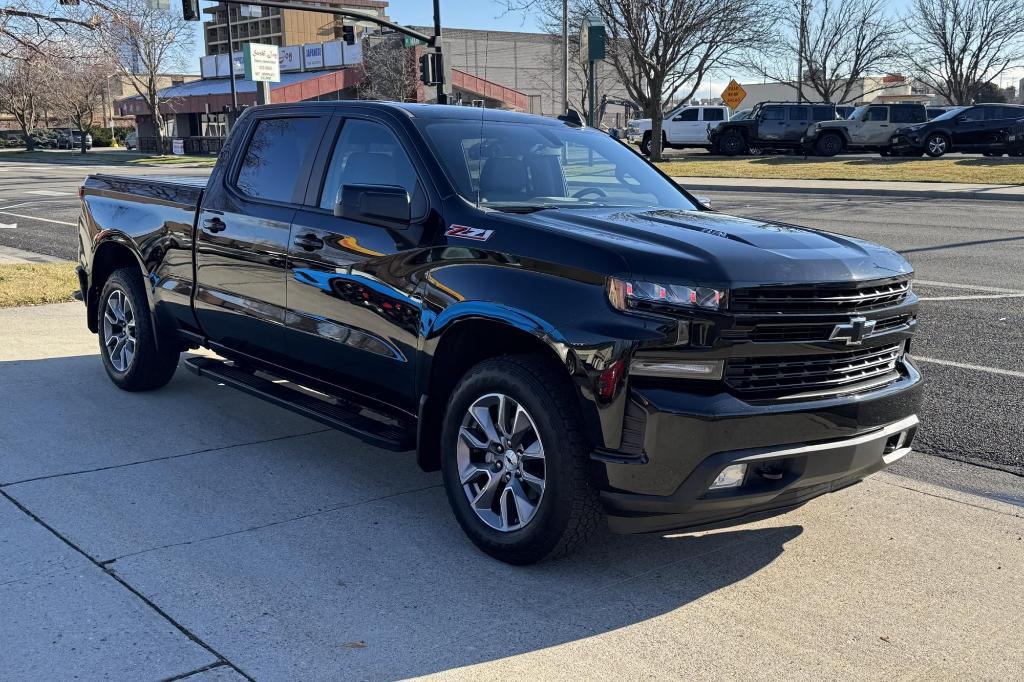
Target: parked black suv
x,y
771,126
528,304
985,128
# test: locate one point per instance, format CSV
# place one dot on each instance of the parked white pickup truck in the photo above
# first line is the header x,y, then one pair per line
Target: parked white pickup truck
x,y
685,126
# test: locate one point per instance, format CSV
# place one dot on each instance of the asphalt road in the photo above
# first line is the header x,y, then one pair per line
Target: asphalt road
x,y
968,257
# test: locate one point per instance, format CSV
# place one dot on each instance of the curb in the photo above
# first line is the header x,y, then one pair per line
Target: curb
x,y
858,191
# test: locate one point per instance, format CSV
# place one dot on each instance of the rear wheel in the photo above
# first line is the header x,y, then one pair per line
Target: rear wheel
x,y
732,143
936,145
514,461
829,144
127,341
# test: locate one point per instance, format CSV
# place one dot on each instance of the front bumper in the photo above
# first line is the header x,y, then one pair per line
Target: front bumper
x,y
793,453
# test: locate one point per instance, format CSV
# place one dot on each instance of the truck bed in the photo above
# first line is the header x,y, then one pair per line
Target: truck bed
x,y
182,190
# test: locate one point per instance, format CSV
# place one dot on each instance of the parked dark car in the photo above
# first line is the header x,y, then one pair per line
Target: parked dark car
x,y
72,139
771,126
982,128
934,112
527,303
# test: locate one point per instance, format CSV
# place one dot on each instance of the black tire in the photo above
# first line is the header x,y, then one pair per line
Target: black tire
x,y
150,367
936,145
732,143
885,153
645,144
829,144
568,511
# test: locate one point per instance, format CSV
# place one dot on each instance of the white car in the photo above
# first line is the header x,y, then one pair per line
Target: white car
x,y
684,126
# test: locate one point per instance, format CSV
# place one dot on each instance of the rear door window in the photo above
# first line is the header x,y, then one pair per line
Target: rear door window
x,y
877,114
823,113
773,114
714,115
276,162
799,113
908,114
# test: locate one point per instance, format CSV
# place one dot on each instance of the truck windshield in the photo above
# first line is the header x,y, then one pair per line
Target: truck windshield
x,y
522,166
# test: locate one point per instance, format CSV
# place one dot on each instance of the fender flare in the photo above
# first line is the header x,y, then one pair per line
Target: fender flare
x,y
103,242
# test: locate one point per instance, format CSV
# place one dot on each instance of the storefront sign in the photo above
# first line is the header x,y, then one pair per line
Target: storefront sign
x,y
262,63
313,56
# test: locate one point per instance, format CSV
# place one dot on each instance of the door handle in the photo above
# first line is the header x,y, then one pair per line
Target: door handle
x,y
309,242
214,225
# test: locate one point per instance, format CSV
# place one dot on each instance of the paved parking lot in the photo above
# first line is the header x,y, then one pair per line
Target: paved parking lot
x,y
199,533
145,536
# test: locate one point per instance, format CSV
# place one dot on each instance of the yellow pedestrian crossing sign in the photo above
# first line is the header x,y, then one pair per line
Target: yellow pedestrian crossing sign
x,y
733,94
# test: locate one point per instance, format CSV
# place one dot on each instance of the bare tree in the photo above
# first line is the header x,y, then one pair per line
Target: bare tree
x,y
143,42
955,46
23,89
663,49
390,69
33,26
843,42
76,90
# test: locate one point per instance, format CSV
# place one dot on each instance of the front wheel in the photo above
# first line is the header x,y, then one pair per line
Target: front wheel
x,y
732,143
127,341
514,461
829,144
936,145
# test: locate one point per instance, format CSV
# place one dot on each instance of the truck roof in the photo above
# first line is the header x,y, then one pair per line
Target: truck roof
x,y
431,111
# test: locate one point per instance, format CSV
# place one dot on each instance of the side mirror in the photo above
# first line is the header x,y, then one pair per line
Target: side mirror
x,y
704,199
962,118
383,205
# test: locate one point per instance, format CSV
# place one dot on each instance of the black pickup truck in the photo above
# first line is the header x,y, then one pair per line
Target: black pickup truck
x,y
526,303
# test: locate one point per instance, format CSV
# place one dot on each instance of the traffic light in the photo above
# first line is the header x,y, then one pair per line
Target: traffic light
x,y
431,68
190,10
349,34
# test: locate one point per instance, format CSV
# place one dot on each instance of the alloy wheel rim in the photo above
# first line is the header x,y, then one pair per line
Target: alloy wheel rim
x,y
937,144
501,465
119,330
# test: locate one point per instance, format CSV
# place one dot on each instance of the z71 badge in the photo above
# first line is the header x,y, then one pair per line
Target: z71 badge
x,y
476,233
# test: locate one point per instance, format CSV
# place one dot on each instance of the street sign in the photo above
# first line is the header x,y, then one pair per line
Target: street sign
x,y
592,38
262,63
733,94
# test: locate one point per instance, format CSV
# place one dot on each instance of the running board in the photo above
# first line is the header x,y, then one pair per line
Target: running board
x,y
389,431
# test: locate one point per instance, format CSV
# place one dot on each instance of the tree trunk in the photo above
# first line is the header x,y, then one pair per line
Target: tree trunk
x,y
656,135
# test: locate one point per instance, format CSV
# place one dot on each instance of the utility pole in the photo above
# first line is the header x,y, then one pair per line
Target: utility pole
x,y
565,56
231,63
442,97
800,51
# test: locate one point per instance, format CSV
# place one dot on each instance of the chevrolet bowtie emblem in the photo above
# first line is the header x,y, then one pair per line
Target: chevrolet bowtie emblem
x,y
854,332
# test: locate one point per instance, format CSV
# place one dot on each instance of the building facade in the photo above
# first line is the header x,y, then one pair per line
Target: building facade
x,y
891,88
281,27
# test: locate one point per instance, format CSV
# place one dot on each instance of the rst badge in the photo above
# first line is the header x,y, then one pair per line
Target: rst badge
x,y
465,232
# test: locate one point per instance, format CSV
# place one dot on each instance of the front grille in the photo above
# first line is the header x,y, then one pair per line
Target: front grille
x,y
816,331
814,375
801,299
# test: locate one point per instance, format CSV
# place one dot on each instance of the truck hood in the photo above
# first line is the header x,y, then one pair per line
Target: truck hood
x,y
832,124
714,249
641,123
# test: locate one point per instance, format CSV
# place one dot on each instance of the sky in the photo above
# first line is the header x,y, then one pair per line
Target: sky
x,y
490,14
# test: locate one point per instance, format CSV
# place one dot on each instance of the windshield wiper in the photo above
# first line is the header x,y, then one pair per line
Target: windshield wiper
x,y
521,208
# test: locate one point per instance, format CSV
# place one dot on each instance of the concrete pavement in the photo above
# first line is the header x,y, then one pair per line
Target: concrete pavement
x,y
145,536
938,190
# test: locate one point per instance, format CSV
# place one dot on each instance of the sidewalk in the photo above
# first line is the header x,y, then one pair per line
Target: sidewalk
x,y
149,535
941,190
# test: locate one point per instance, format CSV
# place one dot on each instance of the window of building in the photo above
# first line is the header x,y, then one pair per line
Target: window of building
x,y
277,152
368,153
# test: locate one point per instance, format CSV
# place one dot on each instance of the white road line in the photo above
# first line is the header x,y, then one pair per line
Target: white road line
x,y
976,287
28,203
44,220
969,298
964,365
6,226
48,193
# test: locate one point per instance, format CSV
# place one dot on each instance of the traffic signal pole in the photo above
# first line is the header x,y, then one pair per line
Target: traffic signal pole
x,y
231,62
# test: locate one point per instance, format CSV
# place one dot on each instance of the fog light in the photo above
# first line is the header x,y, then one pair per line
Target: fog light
x,y
676,369
731,477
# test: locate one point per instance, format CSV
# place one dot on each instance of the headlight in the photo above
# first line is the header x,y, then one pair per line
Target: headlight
x,y
629,295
